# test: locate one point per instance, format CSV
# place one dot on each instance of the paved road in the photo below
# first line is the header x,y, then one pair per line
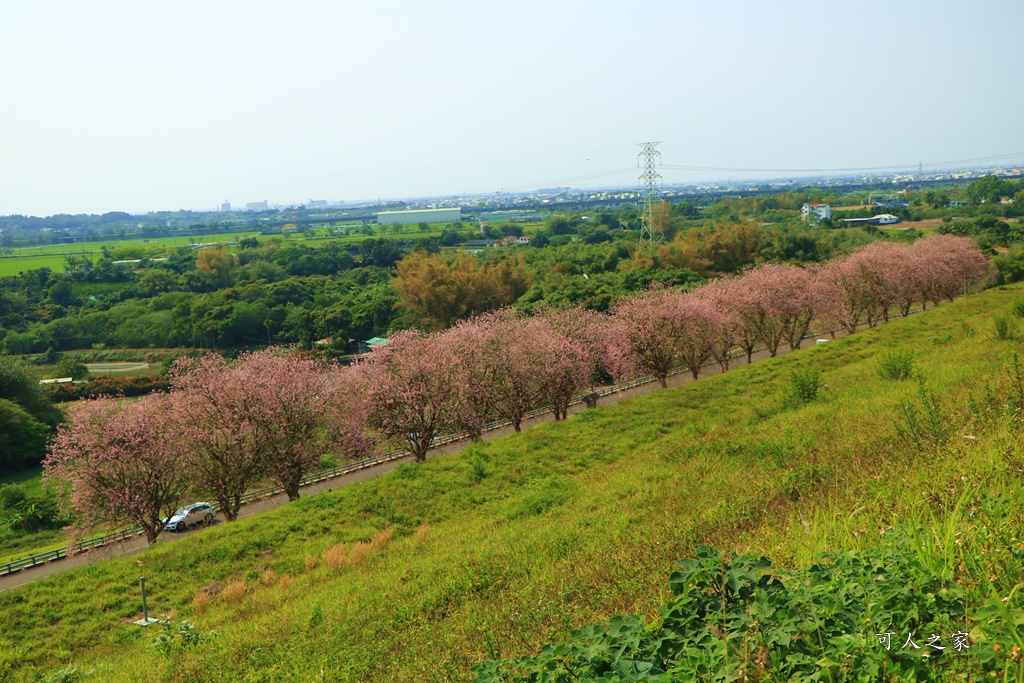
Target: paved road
x,y
138,544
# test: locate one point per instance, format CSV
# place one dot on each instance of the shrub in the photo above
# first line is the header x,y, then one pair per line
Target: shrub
x,y
182,636
800,481
1018,308
316,616
69,674
896,365
1004,328
804,385
740,619
922,423
478,470
11,495
36,513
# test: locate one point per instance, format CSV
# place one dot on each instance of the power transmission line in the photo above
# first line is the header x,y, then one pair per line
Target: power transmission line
x,y
903,167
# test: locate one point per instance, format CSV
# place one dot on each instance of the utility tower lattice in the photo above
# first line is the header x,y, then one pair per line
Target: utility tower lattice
x,y
651,233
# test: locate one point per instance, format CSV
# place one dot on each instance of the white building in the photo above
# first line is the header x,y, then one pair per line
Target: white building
x,y
816,212
419,216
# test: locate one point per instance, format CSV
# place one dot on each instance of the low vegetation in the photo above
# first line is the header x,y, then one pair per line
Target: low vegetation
x,y
514,544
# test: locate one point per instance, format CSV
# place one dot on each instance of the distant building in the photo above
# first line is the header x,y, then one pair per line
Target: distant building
x,y
225,206
316,203
880,219
512,216
815,212
419,216
257,206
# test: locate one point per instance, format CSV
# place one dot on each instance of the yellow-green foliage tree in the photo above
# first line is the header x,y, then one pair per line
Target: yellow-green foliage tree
x,y
722,248
442,289
216,262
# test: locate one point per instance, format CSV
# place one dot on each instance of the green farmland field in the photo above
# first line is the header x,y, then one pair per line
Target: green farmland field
x,y
52,256
13,265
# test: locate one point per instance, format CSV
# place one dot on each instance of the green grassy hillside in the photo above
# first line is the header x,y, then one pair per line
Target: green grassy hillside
x,y
512,544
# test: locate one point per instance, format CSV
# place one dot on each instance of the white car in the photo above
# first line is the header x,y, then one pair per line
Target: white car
x,y
190,516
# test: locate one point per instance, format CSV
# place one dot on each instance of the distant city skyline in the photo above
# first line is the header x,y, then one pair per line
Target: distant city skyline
x,y
110,106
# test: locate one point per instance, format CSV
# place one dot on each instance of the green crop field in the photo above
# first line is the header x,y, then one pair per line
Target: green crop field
x,y
13,265
87,248
512,544
52,256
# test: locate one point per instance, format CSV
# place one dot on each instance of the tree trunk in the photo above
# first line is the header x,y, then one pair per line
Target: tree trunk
x,y
663,381
230,507
517,424
293,491
695,370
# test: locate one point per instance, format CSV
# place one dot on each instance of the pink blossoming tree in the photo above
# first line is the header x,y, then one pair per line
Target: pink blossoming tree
x,y
121,463
413,391
223,445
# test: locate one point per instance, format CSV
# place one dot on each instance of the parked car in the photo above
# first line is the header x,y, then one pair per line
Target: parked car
x,y
190,516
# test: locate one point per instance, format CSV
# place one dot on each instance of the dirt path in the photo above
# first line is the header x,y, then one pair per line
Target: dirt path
x,y
138,544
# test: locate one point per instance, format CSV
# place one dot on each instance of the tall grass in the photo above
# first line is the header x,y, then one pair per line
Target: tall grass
x,y
573,523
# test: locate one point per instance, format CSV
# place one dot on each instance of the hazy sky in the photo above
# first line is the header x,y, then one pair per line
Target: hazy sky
x,y
140,106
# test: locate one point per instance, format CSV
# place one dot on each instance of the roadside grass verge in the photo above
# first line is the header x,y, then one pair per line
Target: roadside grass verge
x,y
514,543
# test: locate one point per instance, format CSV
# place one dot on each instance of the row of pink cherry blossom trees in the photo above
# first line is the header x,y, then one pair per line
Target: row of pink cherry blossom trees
x,y
502,365
226,426
223,428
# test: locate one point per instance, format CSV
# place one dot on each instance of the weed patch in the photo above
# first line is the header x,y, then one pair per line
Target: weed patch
x,y
896,366
804,385
1004,328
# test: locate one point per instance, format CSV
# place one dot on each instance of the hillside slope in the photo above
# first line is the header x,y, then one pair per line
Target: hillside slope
x,y
513,543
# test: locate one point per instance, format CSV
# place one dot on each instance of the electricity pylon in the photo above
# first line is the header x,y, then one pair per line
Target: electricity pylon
x,y
651,234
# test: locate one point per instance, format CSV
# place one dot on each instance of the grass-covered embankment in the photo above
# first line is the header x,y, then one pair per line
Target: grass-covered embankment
x,y
513,543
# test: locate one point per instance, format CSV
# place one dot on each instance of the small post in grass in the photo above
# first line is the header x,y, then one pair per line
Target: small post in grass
x,y
145,620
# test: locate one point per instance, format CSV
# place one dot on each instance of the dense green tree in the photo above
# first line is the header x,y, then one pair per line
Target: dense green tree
x,y
22,438
70,367
1011,264
560,225
989,189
